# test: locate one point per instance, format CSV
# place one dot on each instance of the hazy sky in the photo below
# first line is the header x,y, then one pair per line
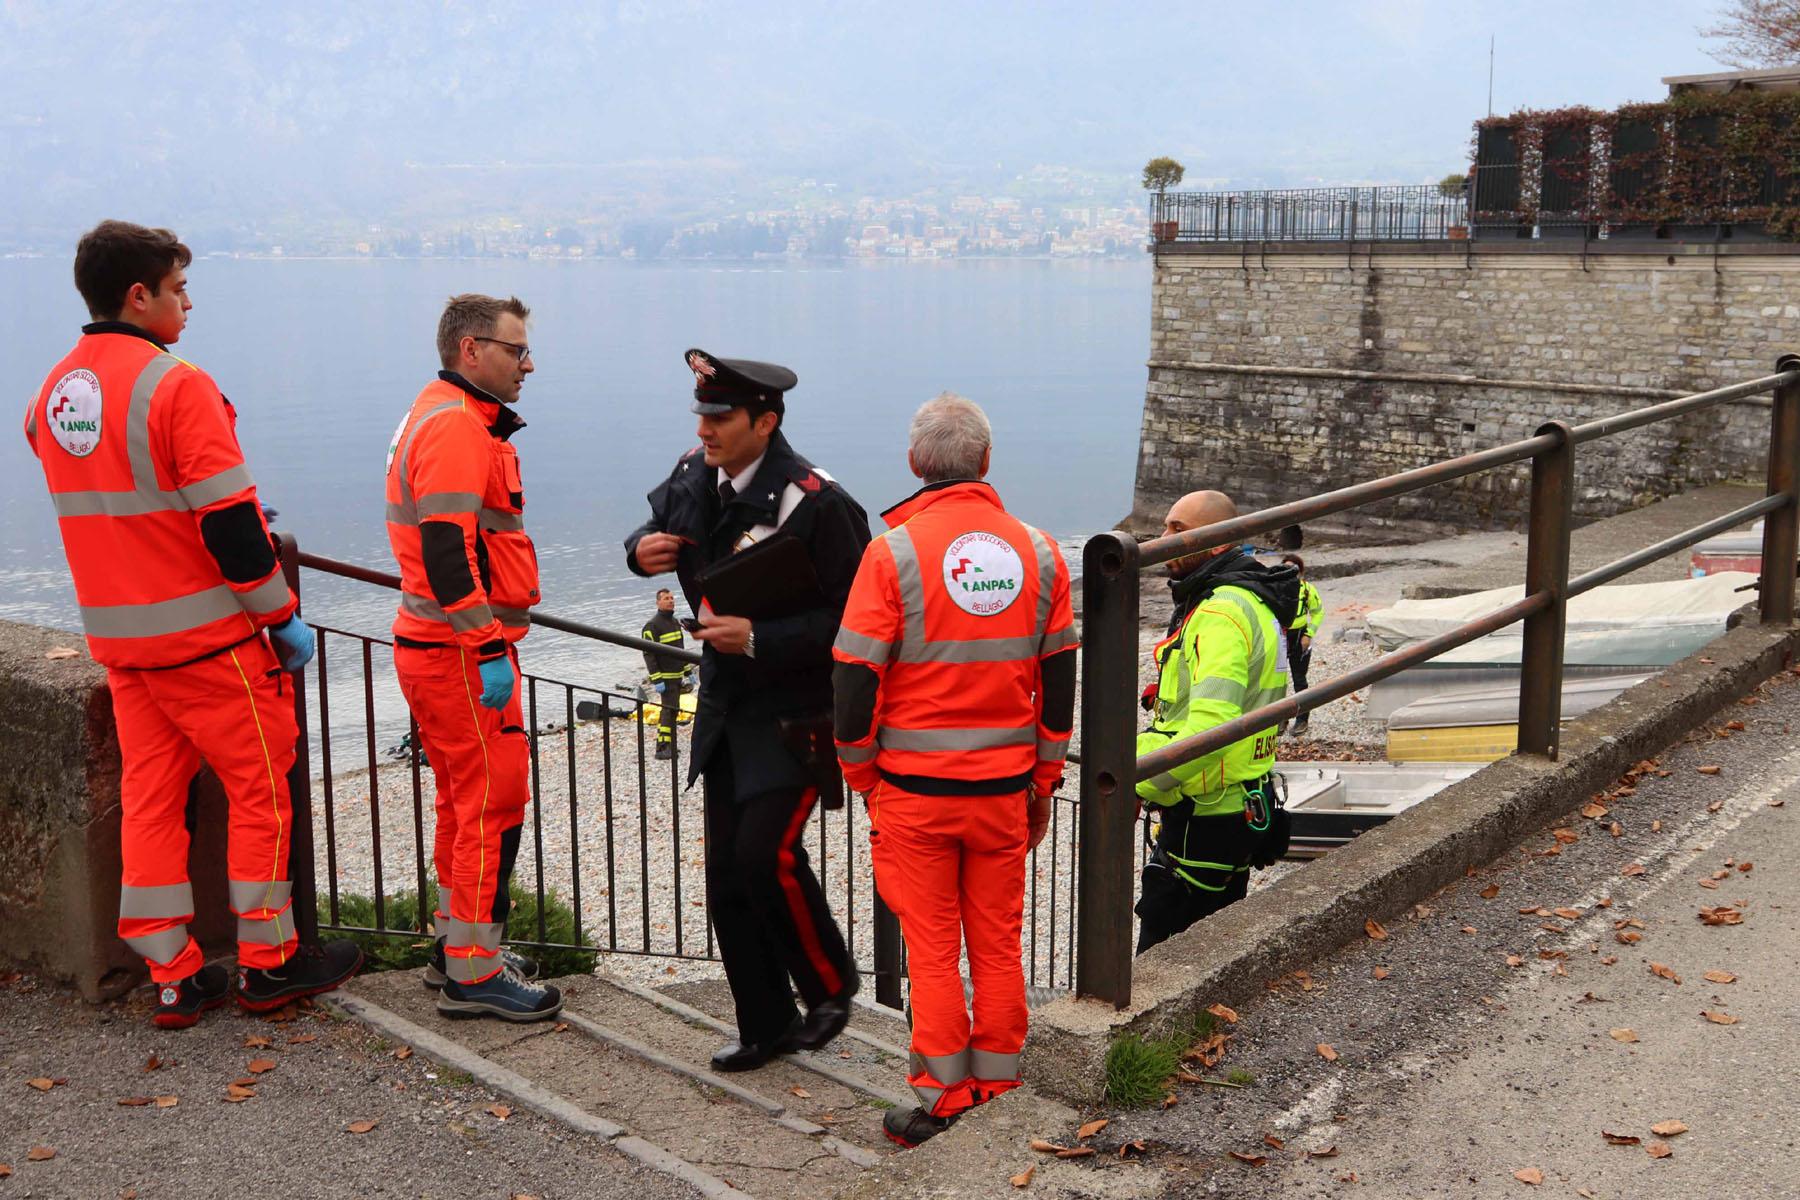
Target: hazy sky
x,y
363,108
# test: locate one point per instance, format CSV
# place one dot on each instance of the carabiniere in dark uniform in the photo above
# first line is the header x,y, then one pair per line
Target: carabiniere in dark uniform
x,y
761,784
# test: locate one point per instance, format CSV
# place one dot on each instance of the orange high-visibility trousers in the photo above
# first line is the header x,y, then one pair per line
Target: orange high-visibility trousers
x,y
953,870
235,710
481,761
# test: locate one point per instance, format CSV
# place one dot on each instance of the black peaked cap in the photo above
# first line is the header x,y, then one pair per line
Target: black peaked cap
x,y
722,384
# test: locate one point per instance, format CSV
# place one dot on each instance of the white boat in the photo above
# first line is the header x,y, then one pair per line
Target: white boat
x,y
1331,803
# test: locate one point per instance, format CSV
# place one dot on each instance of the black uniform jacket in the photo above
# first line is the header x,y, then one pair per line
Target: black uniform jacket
x,y
657,629
742,699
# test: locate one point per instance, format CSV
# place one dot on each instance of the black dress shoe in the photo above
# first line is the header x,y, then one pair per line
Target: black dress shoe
x,y
824,1021
747,1056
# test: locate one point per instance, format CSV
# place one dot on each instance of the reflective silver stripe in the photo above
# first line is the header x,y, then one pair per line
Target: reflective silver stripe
x,y
137,422
483,935
277,930
948,1069
1167,782
858,754
215,488
990,1067
1046,563
1217,687
495,521
160,947
912,588
165,616
516,617
858,645
1056,643
1006,649
271,595
441,503
160,900
954,739
113,504
250,895
31,422
400,514
1051,750
409,512
461,620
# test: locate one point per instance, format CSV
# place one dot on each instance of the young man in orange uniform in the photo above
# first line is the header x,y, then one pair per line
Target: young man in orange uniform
x,y
468,575
177,578
955,697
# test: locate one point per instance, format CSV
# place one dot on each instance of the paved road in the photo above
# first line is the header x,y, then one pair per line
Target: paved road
x,y
1486,1048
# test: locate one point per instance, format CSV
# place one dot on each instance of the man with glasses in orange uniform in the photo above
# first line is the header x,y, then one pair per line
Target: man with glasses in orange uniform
x,y
468,576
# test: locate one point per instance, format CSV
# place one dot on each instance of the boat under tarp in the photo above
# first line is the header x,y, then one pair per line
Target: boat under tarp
x,y
1483,725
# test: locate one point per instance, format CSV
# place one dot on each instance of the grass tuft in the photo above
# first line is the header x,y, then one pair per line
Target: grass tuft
x,y
1138,1068
402,947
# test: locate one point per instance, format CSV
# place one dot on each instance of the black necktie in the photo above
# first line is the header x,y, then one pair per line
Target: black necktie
x,y
726,492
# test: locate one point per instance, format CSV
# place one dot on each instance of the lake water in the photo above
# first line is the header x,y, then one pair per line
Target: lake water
x,y
322,358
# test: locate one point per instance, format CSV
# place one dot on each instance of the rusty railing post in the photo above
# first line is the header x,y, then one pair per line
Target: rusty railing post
x,y
1104,875
299,780
887,956
1781,528
1546,570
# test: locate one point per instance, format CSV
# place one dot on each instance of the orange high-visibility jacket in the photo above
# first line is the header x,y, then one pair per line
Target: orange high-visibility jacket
x,y
456,521
955,610
141,454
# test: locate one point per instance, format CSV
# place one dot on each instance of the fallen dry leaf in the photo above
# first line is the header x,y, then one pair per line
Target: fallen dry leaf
x,y
499,1110
1722,914
1092,1127
1255,1160
40,1154
167,1101
800,1092
1530,1175
1664,972
1609,960
403,1053
1709,883
1380,972
1719,977
1327,1152
1076,1152
1229,1016
1327,1053
1490,891
1718,1018
1633,869
1513,960
362,1126
1668,1129
1746,867
1375,929
1044,1147
248,1081
134,1101
1628,937
1620,1139
1171,1100
1273,1142
1616,829
1566,837
1349,1178
1658,1150
1715,806
255,1041
1623,1035
5,1170
1567,914
41,1083
58,652
1594,811
1023,1178
236,1093
1708,770
1133,1147
1469,929
302,1039
257,1066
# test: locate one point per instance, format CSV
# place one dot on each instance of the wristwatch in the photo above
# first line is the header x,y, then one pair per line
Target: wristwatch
x,y
750,643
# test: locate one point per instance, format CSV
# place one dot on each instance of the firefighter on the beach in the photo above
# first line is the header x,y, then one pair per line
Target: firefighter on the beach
x,y
667,674
955,684
182,599
468,576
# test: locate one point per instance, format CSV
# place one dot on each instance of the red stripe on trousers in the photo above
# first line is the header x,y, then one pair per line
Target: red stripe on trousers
x,y
790,883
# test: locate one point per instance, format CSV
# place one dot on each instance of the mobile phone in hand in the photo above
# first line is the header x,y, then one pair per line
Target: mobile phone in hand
x,y
691,624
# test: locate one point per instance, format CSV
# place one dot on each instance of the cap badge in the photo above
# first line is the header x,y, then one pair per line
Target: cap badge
x,y
702,369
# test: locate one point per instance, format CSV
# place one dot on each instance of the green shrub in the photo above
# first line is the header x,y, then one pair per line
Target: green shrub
x,y
403,946
1138,1068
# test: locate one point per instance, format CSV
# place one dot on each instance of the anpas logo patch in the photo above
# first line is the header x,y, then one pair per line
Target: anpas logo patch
x,y
73,412
983,574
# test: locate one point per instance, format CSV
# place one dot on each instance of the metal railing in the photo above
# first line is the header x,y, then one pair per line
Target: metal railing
x,y
1412,212
633,873
1110,769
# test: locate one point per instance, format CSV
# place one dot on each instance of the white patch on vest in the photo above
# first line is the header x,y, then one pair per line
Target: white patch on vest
x,y
394,443
983,573
72,411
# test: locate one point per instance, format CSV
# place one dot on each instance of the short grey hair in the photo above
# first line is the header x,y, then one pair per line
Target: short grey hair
x,y
949,436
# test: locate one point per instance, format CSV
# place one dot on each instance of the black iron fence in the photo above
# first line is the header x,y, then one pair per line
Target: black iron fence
x,y
1111,562
1340,214
610,832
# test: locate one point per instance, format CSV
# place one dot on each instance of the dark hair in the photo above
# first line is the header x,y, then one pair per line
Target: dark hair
x,y
114,255
661,592
1296,560
472,315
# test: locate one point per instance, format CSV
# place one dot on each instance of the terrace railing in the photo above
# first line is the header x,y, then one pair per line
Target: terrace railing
x,y
1113,561
1340,214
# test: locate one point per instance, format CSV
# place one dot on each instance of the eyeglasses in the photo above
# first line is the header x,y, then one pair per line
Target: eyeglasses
x,y
523,351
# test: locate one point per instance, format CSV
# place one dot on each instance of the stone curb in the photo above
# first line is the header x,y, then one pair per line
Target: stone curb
x,y
497,1078
1310,913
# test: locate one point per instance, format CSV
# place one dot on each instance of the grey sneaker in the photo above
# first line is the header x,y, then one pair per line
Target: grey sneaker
x,y
502,995
522,965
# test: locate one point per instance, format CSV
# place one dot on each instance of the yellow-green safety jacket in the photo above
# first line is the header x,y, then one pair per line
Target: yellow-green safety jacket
x,y
1312,611
1228,658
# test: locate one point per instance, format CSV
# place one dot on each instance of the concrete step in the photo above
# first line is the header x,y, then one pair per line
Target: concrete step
x,y
634,1073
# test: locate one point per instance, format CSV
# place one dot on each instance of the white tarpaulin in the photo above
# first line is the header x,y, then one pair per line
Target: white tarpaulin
x,y
1679,605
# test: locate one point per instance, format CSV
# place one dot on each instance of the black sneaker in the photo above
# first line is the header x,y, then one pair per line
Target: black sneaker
x,y
664,751
179,1004
312,970
913,1126
522,965
502,994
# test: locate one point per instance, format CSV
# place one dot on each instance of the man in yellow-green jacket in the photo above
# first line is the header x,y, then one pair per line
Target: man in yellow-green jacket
x,y
1225,655
1300,634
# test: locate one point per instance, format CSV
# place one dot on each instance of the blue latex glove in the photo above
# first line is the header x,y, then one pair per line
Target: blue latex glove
x,y
662,689
496,682
294,643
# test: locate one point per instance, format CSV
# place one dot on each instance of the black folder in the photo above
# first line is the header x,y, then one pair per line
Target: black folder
x,y
770,578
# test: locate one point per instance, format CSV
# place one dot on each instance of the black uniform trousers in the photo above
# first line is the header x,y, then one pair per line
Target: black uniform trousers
x,y
768,911
670,705
1299,662
1170,903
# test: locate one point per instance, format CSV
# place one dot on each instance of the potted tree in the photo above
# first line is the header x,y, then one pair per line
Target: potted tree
x,y
1450,187
1161,174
